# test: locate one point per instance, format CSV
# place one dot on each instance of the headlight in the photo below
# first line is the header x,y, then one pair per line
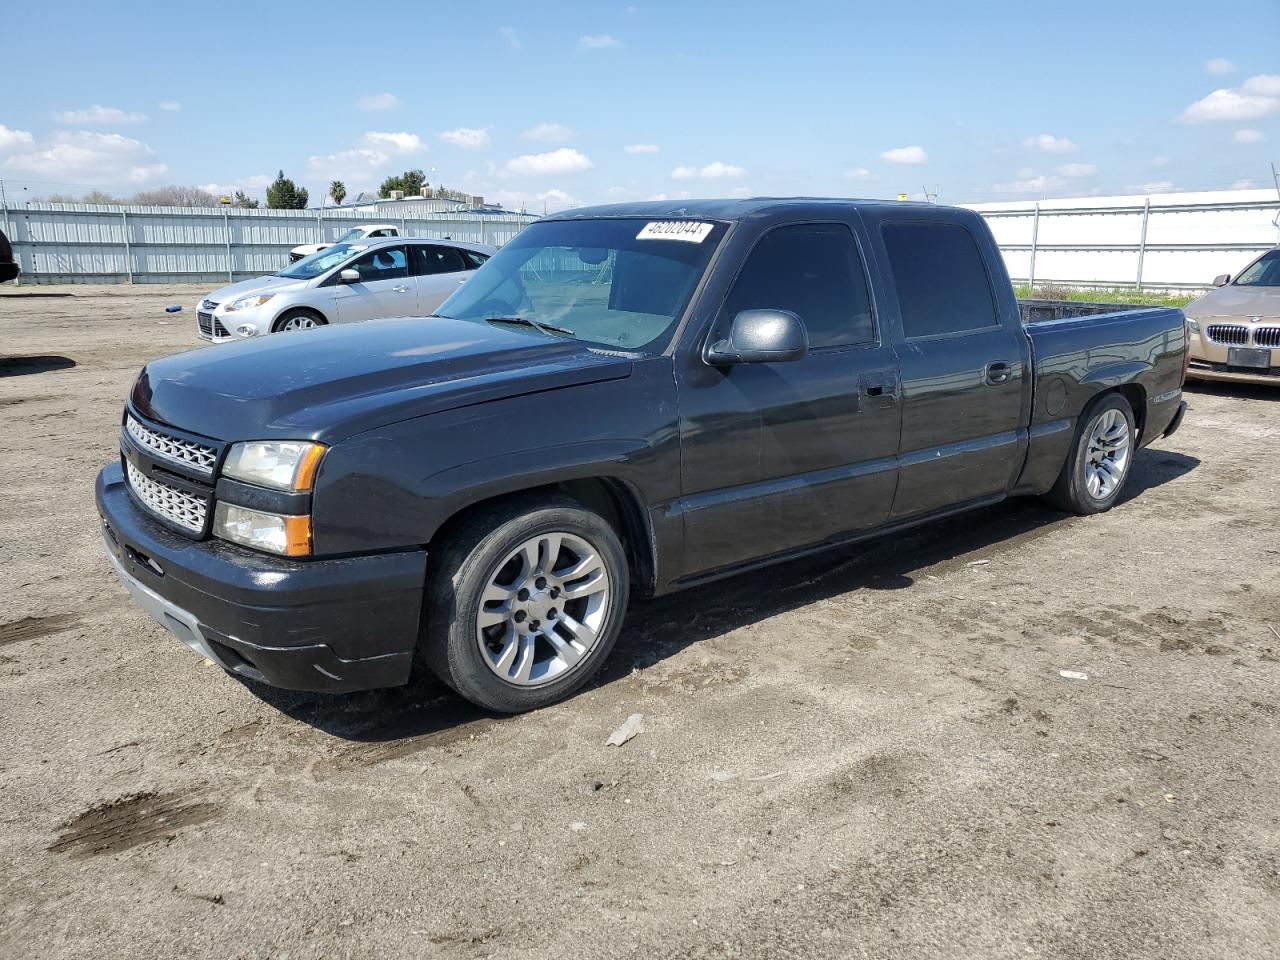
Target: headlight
x,y
248,303
272,532
1193,326
280,464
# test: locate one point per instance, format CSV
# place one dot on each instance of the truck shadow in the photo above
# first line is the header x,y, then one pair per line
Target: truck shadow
x,y
427,713
1240,391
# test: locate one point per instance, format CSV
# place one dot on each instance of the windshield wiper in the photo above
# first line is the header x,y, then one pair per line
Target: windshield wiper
x,y
547,328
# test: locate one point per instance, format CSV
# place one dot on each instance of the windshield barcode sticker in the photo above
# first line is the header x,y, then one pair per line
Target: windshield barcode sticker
x,y
675,230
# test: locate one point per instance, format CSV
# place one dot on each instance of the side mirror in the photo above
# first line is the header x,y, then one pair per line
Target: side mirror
x,y
760,336
1222,279
349,275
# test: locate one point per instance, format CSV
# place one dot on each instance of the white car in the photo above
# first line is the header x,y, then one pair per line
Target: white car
x,y
343,283
366,231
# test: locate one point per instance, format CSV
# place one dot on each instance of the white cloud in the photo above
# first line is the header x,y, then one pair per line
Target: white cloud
x,y
1076,170
468,138
552,200
1257,97
910,155
10,139
641,148
1030,185
169,106
511,37
548,133
91,159
858,173
398,142
1219,66
712,171
378,101
1154,186
1263,84
598,41
1159,161
98,116
564,160
1048,143
1242,185
359,165
1248,135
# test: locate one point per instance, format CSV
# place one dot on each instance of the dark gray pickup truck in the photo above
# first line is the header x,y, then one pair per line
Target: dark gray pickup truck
x,y
632,398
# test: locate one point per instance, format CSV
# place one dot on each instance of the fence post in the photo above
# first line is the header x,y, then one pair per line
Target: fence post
x,y
1142,241
128,252
320,223
1035,239
226,228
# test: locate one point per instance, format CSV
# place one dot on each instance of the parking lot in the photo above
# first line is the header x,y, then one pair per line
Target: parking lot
x,y
871,753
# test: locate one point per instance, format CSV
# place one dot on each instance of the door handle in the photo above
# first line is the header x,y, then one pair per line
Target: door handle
x,y
400,289
997,372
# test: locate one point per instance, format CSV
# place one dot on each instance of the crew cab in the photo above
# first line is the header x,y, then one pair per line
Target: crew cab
x,y
343,283
365,231
631,398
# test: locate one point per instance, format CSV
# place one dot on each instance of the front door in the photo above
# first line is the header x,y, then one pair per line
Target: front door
x,y
780,456
384,289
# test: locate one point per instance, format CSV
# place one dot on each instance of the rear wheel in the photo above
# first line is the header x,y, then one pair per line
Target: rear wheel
x,y
1100,458
298,320
525,603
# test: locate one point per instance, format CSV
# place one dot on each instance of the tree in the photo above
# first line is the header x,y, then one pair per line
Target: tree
x,y
411,181
283,194
175,196
242,201
338,192
99,196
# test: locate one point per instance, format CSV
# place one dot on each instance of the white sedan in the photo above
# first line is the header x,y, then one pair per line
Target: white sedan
x,y
398,277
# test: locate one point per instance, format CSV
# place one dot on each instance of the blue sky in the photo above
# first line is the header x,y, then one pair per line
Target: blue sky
x,y
581,102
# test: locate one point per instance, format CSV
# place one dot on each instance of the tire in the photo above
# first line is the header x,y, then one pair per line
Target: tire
x,y
502,631
1100,460
299,319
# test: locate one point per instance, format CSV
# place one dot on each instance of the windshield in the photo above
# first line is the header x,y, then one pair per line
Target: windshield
x,y
355,233
617,283
318,263
1261,273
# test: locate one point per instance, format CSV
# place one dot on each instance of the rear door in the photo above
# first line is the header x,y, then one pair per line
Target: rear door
x,y
384,289
964,361
780,456
438,272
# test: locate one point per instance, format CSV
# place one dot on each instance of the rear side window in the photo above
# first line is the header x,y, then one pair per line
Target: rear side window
x,y
815,271
429,259
940,277
473,259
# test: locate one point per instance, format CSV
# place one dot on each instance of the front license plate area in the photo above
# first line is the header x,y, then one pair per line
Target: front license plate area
x,y
1249,357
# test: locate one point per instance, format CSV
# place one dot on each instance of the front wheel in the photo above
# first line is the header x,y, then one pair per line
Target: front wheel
x,y
298,320
525,604
1099,460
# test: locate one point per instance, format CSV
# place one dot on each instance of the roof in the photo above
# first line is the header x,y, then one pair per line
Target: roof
x,y
721,209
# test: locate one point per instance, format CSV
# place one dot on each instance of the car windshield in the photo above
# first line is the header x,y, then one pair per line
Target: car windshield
x,y
616,283
1261,273
318,263
355,233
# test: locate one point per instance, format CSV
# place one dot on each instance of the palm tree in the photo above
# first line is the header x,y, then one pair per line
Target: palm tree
x,y
338,192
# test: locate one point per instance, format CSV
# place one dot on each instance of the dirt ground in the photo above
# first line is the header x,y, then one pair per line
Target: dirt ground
x,y
868,754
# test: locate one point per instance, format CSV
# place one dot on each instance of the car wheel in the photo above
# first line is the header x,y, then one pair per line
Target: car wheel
x,y
1100,458
525,603
298,320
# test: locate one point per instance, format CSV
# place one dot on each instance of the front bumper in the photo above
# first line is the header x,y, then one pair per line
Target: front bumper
x,y
1211,360
325,625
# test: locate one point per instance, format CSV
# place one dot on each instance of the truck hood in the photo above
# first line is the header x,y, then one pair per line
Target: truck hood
x,y
336,381
268,284
1240,303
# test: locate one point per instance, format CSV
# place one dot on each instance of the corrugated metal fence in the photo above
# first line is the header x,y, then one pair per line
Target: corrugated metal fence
x,y
84,243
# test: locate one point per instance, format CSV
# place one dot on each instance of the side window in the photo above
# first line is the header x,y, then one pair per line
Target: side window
x,y
429,258
940,277
474,260
386,263
815,271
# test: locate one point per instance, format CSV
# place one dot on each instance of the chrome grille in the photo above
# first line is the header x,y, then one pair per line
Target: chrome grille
x,y
186,510
188,453
211,326
1267,337
1230,333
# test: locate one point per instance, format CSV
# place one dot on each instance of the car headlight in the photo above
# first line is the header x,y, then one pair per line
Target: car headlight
x,y
279,464
248,303
1193,326
289,536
